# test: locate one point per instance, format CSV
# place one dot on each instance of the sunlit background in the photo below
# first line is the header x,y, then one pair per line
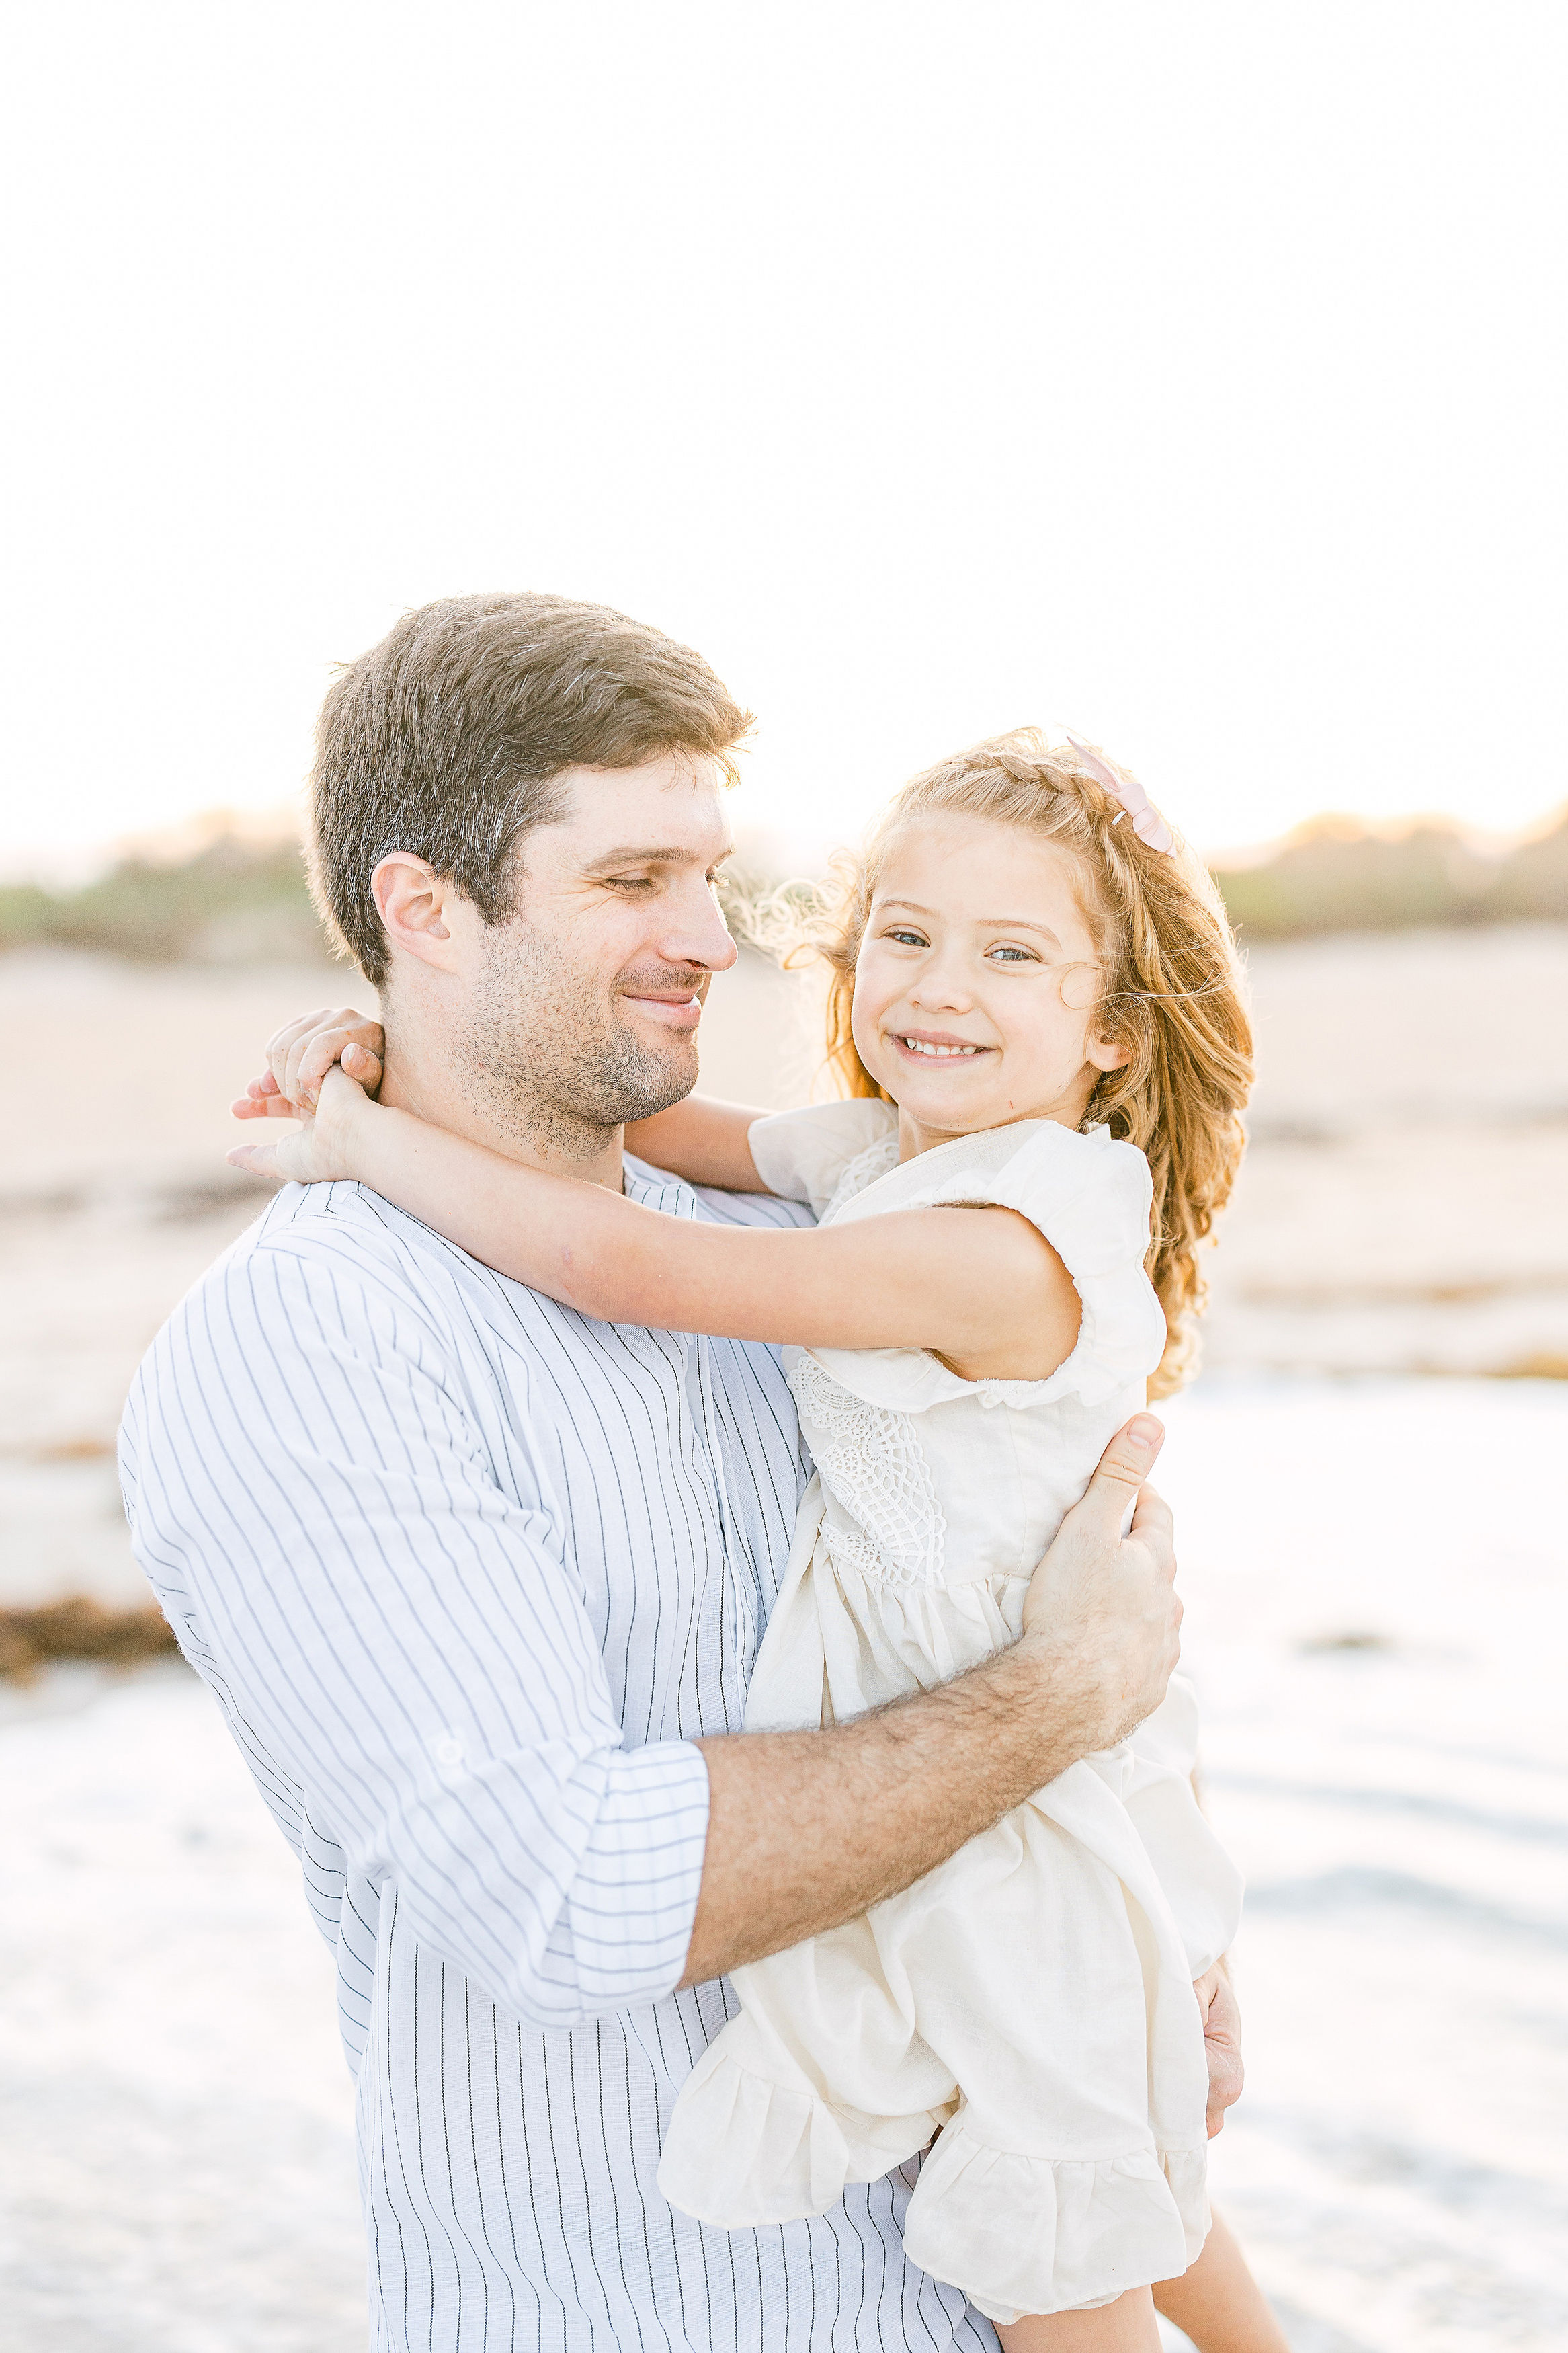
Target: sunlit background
x,y
1190,377
1194,376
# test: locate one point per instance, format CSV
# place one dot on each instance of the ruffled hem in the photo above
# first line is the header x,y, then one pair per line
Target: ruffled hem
x,y
1021,2234
743,2149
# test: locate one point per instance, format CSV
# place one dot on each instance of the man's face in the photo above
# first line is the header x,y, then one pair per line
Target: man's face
x,y
583,1008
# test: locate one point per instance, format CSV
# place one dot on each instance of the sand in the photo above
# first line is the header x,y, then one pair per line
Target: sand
x,y
1402,1208
176,2163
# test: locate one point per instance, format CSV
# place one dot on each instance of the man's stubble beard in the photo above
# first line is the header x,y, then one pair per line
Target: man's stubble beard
x,y
546,1058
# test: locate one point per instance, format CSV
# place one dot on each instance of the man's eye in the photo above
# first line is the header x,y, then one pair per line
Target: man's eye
x,y
628,882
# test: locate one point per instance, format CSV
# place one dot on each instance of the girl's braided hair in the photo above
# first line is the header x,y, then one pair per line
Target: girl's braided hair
x,y
1173,990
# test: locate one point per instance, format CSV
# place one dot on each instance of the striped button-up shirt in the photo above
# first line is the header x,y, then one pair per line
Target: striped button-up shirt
x,y
468,1573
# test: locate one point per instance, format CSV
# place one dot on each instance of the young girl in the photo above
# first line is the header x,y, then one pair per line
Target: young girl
x,y
1037,1007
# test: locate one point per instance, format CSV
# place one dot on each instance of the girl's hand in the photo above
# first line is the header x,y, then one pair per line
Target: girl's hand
x,y
324,1147
299,1057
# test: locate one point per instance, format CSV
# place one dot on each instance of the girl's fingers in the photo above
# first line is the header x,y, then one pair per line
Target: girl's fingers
x,y
258,1099
281,1040
273,1106
363,1067
314,1048
258,1158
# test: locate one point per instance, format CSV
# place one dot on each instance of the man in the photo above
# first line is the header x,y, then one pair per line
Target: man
x,y
479,1583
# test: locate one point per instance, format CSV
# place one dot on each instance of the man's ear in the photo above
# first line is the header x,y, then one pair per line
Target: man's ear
x,y
412,899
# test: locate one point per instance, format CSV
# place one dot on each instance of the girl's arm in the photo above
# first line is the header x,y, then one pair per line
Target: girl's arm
x,y
705,1141
981,1287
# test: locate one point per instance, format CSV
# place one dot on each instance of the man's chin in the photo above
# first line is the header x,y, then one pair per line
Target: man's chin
x,y
667,1068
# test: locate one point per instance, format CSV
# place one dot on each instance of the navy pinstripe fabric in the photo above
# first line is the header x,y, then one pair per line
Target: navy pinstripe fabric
x,y
468,1573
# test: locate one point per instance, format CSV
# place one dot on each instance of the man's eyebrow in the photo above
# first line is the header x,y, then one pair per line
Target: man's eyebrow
x,y
639,854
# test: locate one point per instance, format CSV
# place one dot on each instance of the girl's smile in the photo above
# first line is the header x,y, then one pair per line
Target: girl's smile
x,y
937,1043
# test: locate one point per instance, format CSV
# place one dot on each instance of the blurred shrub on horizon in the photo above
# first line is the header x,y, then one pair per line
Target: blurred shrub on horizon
x,y
234,902
1335,875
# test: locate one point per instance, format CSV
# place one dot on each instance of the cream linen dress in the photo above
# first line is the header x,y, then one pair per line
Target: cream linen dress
x,y
1031,1999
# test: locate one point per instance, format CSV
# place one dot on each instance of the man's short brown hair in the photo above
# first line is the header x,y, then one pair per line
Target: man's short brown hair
x,y
445,739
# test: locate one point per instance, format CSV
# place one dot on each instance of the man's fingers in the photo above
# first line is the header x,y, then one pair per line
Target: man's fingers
x,y
1222,2050
1123,1469
1155,1530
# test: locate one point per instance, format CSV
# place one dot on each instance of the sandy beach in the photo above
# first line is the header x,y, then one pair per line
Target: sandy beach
x,y
1367,1485
1400,1209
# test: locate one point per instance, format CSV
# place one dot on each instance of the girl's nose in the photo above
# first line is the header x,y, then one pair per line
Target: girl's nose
x,y
938,986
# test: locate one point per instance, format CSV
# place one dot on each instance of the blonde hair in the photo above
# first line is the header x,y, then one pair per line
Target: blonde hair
x,y
1172,990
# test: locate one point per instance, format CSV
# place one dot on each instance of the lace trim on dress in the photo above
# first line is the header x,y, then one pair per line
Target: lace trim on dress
x,y
876,1161
872,1462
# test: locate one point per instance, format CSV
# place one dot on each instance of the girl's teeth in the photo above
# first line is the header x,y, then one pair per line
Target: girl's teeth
x,y
919,1046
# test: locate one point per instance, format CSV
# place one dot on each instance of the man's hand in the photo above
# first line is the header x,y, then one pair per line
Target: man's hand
x,y
1222,2043
299,1055
1102,1605
807,1829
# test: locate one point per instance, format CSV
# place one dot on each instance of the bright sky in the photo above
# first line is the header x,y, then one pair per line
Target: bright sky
x,y
1190,376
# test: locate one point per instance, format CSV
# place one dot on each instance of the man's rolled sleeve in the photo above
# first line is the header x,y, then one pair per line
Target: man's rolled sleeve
x,y
624,1932
409,1642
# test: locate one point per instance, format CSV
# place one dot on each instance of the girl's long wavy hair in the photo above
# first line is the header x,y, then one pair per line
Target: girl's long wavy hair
x,y
1172,990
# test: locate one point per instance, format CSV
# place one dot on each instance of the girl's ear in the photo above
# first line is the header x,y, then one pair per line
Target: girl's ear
x,y
1107,1055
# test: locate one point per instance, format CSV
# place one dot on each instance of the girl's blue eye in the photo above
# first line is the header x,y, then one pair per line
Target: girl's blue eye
x,y
1017,955
908,939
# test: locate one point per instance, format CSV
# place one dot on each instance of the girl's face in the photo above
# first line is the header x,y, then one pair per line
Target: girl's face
x,y
977,982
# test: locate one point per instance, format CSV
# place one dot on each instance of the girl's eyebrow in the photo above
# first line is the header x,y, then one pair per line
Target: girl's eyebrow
x,y
1017,923
985,922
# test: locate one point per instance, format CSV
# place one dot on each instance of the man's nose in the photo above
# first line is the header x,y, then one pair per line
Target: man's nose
x,y
696,932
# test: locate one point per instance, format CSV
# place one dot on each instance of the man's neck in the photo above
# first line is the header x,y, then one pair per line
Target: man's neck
x,y
435,1088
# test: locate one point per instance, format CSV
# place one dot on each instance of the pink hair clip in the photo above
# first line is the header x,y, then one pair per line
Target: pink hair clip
x,y
1147,822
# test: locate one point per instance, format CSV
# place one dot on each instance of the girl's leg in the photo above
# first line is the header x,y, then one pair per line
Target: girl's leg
x,y
1218,2302
1128,2325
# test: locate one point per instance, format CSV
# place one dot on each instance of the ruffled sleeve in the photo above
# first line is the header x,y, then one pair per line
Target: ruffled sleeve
x,y
805,1156
1091,1197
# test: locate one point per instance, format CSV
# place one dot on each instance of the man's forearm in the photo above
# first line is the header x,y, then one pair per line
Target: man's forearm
x,y
807,1829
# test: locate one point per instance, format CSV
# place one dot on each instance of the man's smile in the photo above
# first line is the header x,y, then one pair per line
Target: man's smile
x,y
671,1009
